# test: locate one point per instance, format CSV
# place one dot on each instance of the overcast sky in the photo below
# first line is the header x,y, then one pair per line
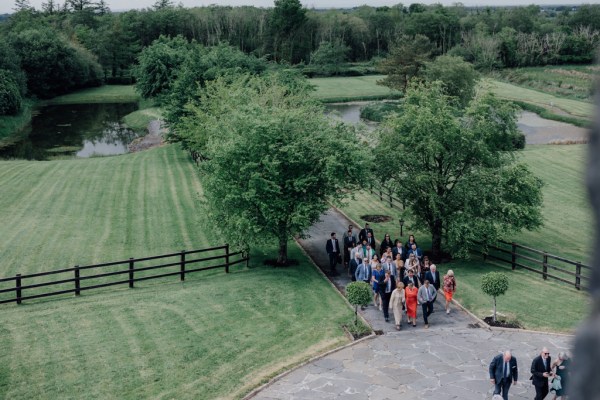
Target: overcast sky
x,y
118,5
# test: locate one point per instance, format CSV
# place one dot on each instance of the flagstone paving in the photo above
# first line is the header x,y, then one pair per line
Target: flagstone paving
x,y
447,361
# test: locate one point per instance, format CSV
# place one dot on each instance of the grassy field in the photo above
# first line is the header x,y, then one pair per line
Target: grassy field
x,y
556,104
139,120
351,88
102,94
11,124
567,232
214,336
569,81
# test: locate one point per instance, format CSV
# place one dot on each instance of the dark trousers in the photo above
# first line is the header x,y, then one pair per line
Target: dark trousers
x,y
503,387
333,261
427,310
385,299
541,391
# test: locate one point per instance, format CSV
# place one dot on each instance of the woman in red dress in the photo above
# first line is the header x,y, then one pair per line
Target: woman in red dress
x,y
411,303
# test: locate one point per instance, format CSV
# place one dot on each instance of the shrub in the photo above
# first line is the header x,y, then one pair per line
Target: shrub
x,y
10,94
494,284
359,294
379,111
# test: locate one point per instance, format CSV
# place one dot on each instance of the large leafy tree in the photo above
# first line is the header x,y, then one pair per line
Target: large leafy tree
x,y
458,77
272,159
456,172
406,60
285,21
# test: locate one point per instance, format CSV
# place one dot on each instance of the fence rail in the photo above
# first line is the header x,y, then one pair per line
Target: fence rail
x,y
540,262
21,283
528,261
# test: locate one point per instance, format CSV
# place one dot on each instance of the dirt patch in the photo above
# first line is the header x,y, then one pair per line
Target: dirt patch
x,y
376,218
154,138
273,263
502,324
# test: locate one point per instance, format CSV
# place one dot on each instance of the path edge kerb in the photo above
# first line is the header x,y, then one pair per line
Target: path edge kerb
x,y
484,324
319,356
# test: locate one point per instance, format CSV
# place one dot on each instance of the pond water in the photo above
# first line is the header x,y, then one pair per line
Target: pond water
x,y
537,130
80,130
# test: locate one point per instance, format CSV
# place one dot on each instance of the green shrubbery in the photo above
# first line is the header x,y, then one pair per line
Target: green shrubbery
x,y
10,95
378,111
494,284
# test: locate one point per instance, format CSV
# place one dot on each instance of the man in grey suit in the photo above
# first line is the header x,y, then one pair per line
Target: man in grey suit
x,y
425,296
503,372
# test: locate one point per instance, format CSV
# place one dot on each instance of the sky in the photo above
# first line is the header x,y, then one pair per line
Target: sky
x,y
120,5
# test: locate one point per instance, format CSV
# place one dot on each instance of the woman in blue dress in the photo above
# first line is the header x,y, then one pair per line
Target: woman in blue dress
x,y
377,280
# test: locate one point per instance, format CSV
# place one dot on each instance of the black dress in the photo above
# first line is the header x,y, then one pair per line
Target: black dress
x,y
564,377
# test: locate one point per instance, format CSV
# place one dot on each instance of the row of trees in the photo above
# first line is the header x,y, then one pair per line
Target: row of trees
x,y
271,161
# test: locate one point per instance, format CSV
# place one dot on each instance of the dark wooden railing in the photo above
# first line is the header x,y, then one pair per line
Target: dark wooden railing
x,y
540,262
36,285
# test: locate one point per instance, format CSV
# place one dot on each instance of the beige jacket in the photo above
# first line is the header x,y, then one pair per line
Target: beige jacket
x,y
397,299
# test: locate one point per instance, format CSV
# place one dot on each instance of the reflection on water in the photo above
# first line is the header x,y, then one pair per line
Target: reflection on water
x,y
350,113
81,130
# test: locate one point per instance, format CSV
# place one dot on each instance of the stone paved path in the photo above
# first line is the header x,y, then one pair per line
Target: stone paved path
x,y
447,361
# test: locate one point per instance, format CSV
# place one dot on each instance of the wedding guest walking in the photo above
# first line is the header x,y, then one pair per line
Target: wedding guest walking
x,y
503,372
541,369
386,289
377,278
353,266
363,271
410,294
333,250
397,304
386,243
449,288
562,369
426,295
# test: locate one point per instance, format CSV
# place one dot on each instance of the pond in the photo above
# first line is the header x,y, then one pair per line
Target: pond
x,y
80,130
537,130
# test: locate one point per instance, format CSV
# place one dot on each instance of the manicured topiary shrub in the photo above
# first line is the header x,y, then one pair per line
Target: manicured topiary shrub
x,y
494,284
359,294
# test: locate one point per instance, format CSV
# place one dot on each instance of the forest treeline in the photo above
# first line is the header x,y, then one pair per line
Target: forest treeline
x,y
64,46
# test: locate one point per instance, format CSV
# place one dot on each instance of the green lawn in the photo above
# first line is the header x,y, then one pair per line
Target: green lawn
x,y
139,120
569,81
101,94
567,232
351,88
215,336
512,92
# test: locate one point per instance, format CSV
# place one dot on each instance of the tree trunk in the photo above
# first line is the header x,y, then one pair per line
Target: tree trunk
x,y
355,315
282,258
436,241
494,317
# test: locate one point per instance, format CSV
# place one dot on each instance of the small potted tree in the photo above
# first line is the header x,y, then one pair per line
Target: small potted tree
x,y
494,284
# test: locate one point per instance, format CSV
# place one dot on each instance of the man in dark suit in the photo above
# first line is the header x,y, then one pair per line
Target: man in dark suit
x,y
386,289
333,249
398,249
371,241
503,372
541,368
349,243
362,235
433,276
411,277
353,266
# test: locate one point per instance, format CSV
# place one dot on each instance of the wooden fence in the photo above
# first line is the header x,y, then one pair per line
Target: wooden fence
x,y
126,272
540,262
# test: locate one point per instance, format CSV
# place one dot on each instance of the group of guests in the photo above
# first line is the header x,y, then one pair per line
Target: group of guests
x,y
545,374
401,276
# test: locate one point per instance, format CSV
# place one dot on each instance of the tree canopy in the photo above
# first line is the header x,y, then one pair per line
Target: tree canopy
x,y
456,172
272,159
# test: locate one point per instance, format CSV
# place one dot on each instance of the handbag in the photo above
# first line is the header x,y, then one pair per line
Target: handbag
x,y
555,383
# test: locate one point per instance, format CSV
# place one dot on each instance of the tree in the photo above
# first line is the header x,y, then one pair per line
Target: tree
x,y
286,19
494,284
359,294
23,5
330,56
407,57
10,95
272,159
456,171
458,77
158,66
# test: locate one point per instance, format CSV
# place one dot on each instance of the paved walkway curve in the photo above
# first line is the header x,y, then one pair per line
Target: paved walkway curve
x,y
447,361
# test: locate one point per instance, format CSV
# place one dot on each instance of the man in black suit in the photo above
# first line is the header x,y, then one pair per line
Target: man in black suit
x,y
333,249
541,368
349,244
353,266
362,235
503,372
411,277
433,276
386,289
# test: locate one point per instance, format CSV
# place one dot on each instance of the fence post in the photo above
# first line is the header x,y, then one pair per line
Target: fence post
x,y
131,272
18,285
227,258
77,282
578,275
182,266
514,256
545,266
